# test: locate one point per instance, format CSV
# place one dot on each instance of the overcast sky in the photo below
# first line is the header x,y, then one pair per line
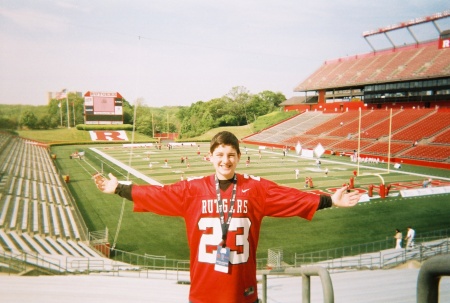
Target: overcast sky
x,y
177,52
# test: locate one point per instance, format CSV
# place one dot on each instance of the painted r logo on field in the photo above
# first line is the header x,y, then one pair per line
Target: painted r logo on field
x,y
102,135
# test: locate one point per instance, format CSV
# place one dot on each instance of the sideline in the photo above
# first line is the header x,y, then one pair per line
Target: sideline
x,y
356,165
131,170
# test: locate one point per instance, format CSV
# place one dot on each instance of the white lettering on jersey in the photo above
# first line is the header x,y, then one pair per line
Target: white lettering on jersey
x,y
214,238
211,206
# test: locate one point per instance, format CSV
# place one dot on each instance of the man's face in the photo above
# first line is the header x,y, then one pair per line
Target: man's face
x,y
225,159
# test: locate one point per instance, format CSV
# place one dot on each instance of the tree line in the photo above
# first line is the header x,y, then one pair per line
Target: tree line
x,y
237,107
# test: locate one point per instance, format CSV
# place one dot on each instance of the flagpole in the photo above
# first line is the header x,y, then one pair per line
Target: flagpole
x,y
389,143
60,111
73,112
68,116
359,141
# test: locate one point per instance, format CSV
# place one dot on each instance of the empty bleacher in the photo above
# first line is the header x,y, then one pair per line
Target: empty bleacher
x,y
424,60
424,128
292,127
430,128
400,119
336,122
368,118
428,153
442,138
35,204
382,148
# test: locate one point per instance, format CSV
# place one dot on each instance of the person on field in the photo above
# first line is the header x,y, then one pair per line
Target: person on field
x,y
223,213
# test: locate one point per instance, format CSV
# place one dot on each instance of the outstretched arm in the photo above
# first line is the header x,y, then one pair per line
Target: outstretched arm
x,y
104,184
342,198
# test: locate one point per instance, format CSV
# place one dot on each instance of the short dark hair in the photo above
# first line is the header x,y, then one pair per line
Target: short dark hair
x,y
225,138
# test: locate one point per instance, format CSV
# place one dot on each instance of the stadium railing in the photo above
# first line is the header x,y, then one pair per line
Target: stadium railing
x,y
305,273
375,255
429,278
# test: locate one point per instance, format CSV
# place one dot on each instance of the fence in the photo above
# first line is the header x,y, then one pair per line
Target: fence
x,y
381,259
362,250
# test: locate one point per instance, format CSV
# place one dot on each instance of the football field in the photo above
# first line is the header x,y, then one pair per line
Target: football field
x,y
374,220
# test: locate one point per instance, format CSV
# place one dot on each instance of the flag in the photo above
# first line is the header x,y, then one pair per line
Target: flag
x,y
319,150
61,95
298,148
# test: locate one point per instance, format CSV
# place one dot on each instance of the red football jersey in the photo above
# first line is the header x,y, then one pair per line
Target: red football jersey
x,y
196,201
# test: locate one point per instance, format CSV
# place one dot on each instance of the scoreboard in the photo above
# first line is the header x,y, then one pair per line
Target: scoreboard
x,y
103,108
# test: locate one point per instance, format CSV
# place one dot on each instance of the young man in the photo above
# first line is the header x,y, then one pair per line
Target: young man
x,y
223,214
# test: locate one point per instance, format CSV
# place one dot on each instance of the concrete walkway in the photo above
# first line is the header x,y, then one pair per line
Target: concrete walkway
x,y
377,286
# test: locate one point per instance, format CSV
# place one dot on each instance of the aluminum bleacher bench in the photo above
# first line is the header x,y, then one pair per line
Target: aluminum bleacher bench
x,y
35,216
45,218
49,193
24,225
34,189
54,218
65,225
73,223
56,246
79,249
13,222
63,196
69,248
46,245
23,246
42,191
12,247
11,186
33,244
5,209
92,252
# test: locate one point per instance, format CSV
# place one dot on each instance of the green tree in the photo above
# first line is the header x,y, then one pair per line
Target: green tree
x,y
238,99
29,120
47,122
274,98
128,112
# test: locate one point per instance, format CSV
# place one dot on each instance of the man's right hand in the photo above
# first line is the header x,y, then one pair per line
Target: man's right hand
x,y
104,184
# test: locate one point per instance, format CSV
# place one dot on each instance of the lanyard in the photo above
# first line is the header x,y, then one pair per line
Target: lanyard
x,y
225,225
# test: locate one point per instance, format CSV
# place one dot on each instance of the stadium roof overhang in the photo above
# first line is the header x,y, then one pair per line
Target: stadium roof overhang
x,y
408,25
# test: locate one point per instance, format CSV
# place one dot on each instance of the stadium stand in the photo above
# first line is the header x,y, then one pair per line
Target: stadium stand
x,y
368,119
442,138
382,148
333,123
399,120
35,205
409,127
292,127
414,61
428,152
424,128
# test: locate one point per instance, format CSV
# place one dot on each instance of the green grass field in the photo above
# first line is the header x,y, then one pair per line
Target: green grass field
x,y
157,235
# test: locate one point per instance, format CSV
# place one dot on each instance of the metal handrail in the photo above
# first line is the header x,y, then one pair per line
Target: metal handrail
x,y
306,273
429,278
